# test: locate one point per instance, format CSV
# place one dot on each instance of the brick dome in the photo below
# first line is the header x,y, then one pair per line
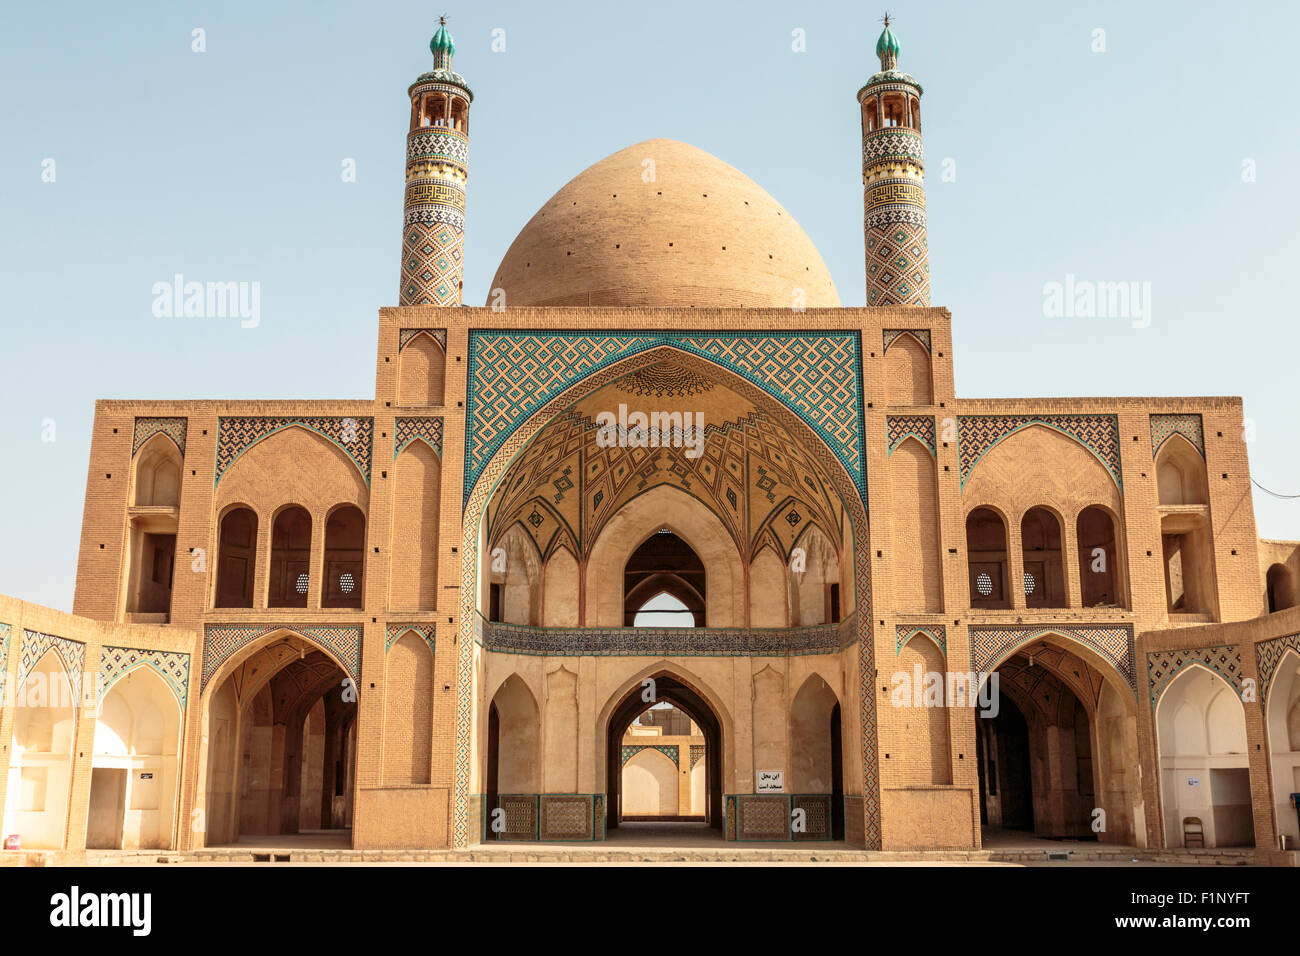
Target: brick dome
x,y
701,233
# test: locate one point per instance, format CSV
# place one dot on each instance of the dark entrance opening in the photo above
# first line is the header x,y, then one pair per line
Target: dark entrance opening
x,y
837,776
664,564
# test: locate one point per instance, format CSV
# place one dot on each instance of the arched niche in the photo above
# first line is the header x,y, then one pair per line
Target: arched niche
x,y
1280,588
1204,767
815,582
236,557
664,564
40,755
916,571
650,787
1180,473
133,783
156,478
769,593
408,712
416,506
1282,718
560,606
345,555
421,372
1042,555
908,373
986,558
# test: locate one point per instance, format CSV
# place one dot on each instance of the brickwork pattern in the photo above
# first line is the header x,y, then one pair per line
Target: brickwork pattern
x,y
146,428
354,436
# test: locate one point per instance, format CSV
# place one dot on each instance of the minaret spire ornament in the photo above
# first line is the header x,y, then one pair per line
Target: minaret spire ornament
x,y
893,181
437,168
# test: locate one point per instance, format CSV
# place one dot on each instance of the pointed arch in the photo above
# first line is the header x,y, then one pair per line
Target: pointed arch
x,y
408,712
421,371
482,480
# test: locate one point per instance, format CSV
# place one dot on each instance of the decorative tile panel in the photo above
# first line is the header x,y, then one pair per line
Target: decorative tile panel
x,y
989,646
566,817
72,653
353,435
898,428
1268,654
1164,666
976,434
407,430
891,336
762,817
935,632
697,753
223,641
511,374
816,809
1165,426
404,337
146,428
658,641
628,751
395,631
172,666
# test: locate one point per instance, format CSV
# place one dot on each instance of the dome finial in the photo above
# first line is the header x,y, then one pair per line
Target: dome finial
x,y
887,46
442,46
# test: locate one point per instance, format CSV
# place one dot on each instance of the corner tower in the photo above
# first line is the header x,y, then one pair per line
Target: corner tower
x,y
893,180
437,166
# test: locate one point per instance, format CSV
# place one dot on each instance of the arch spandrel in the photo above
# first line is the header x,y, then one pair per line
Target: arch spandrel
x,y
837,450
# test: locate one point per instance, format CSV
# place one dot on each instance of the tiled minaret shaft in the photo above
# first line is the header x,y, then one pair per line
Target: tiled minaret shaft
x,y
893,181
437,166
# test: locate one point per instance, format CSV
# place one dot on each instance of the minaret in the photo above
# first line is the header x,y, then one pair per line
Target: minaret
x,y
437,165
893,180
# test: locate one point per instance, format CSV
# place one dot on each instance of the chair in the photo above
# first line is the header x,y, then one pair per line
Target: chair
x,y
1193,832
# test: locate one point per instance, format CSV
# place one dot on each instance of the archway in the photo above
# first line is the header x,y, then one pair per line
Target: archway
x,y
133,778
514,762
1280,587
281,727
1057,746
1204,767
817,757
40,758
645,696
1283,721
664,564
540,479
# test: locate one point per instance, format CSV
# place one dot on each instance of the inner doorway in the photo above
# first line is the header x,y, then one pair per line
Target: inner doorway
x,y
282,754
664,702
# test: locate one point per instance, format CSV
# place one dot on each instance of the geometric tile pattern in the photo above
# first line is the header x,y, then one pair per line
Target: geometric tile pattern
x,y
976,434
905,632
432,263
425,631
525,427
815,375
566,816
146,428
406,430
697,753
816,821
900,427
1268,654
172,666
1164,666
1189,426
236,435
72,653
404,336
628,751
762,817
921,335
657,641
898,263
221,641
990,645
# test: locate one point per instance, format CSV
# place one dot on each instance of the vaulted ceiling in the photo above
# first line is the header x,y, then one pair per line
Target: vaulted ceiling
x,y
752,473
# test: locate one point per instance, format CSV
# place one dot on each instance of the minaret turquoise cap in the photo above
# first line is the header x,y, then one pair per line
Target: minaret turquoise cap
x,y
442,46
887,47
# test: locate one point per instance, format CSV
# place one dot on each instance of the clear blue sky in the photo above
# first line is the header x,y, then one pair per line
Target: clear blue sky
x,y
225,165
